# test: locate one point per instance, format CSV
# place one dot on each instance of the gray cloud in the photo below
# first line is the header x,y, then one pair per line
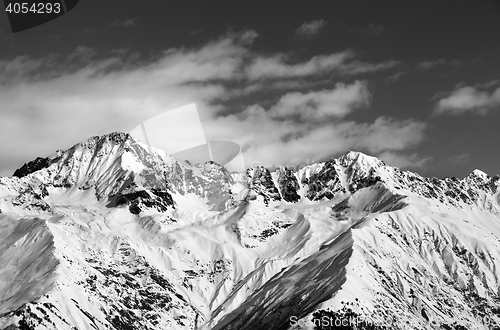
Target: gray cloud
x,y
488,84
310,28
344,63
427,65
396,76
468,99
358,67
278,67
55,101
405,161
460,159
269,141
323,104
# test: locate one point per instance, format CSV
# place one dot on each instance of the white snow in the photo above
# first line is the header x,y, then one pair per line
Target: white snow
x,y
250,265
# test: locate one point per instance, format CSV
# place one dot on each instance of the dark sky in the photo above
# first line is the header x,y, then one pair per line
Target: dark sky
x,y
416,83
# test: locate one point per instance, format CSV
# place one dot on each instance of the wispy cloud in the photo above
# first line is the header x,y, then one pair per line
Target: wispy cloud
x,y
131,22
310,28
460,159
488,84
120,51
358,67
396,76
324,104
423,66
468,99
244,37
373,29
196,32
427,65
279,66
82,54
55,101
405,161
271,141
19,66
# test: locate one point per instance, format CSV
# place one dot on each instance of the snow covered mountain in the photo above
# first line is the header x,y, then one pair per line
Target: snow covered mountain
x,y
114,234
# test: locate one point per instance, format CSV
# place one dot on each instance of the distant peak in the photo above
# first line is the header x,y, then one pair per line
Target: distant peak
x,y
116,137
480,174
352,157
355,155
209,165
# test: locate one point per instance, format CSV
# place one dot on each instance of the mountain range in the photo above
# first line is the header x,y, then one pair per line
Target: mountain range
x,y
116,234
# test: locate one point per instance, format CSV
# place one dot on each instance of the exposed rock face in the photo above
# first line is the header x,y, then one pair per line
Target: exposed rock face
x,y
210,181
139,200
359,171
288,185
325,183
117,166
114,234
33,166
261,181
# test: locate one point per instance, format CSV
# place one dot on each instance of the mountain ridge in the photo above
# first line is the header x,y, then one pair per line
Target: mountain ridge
x,y
136,238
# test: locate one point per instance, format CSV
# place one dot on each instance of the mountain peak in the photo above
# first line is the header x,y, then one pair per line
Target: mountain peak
x,y
480,174
115,138
364,160
113,232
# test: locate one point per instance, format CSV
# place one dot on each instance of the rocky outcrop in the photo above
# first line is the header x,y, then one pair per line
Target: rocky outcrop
x,y
141,200
261,182
33,166
288,185
182,246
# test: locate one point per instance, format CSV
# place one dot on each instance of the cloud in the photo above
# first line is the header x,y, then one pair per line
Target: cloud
x,y
427,65
55,101
82,54
310,28
459,159
18,66
468,99
196,32
119,51
343,63
404,161
277,66
50,103
324,104
271,141
488,84
244,37
388,134
357,67
373,29
131,22
396,76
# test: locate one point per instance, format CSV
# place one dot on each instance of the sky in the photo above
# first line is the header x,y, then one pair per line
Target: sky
x,y
415,83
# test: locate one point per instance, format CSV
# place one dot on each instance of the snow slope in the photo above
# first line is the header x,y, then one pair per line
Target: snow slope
x,y
114,234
